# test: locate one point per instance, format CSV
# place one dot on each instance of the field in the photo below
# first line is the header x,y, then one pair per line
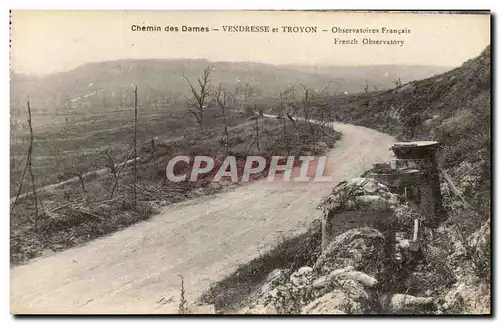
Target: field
x,y
78,140
87,194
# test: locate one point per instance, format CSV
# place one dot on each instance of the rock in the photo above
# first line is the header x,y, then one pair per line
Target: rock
x,y
374,201
344,273
479,241
276,273
335,302
296,281
304,271
320,147
468,299
346,194
357,248
282,293
273,293
301,277
354,289
410,304
323,281
365,202
271,280
308,290
301,283
341,271
359,276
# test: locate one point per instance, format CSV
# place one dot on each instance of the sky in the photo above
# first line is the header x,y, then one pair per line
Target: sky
x,y
44,42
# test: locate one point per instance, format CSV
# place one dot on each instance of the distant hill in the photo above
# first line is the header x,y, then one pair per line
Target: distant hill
x,y
376,74
162,79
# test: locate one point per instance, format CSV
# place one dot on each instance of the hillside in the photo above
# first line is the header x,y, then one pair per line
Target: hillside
x,y
370,266
453,108
163,79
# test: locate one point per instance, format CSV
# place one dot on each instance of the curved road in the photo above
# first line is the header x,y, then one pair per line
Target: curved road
x,y
203,239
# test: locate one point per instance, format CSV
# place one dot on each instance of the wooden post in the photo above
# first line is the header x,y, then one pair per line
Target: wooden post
x,y
284,125
226,132
257,128
30,167
135,146
415,230
153,148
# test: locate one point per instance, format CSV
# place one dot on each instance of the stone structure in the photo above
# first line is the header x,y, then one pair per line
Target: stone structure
x,y
426,191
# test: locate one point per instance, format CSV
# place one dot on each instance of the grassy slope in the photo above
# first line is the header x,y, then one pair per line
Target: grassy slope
x,y
453,108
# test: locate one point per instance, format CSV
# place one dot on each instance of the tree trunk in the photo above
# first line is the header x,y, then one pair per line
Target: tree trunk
x,y
135,146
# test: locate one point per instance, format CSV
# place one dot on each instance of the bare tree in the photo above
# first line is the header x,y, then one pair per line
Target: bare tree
x,y
198,101
135,146
221,96
260,109
306,104
291,115
257,137
153,148
82,181
80,164
234,95
29,168
281,107
19,190
287,92
119,170
110,163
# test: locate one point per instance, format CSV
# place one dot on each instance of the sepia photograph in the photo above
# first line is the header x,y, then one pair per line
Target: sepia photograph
x,y
250,162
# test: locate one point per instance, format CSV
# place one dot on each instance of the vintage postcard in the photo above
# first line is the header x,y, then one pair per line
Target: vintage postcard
x,y
250,162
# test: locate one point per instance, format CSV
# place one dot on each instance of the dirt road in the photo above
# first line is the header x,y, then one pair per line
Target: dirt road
x,y
202,239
